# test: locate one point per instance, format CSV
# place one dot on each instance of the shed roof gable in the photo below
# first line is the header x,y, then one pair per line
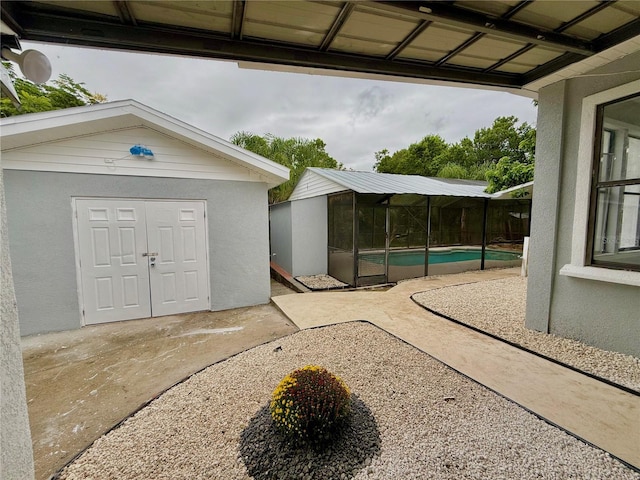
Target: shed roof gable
x,y
30,130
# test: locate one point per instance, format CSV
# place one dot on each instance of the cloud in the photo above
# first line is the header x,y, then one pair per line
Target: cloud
x,y
354,117
369,103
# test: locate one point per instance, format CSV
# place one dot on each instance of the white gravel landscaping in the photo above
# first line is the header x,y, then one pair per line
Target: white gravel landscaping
x,y
425,421
321,282
482,305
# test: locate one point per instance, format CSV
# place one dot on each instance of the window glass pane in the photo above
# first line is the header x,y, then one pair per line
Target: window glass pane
x,y
607,157
617,226
620,145
630,222
633,157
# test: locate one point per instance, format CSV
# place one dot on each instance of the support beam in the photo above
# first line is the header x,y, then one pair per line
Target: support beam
x,y
513,56
463,46
410,38
237,19
626,32
125,13
342,17
9,14
551,67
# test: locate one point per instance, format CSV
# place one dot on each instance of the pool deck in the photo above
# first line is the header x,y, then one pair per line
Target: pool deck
x,y
599,413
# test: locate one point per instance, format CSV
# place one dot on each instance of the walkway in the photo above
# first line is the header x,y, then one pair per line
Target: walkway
x,y
598,413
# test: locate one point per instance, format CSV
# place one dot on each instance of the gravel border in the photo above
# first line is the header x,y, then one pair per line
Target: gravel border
x,y
321,282
431,421
475,304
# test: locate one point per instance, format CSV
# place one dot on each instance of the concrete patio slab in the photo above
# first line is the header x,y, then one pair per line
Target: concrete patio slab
x,y
601,414
81,383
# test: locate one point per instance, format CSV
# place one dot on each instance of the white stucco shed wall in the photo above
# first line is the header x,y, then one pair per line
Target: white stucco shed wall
x,y
46,166
280,235
309,236
299,236
597,312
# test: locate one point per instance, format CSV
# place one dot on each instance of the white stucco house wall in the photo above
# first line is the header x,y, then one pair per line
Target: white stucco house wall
x,y
584,272
117,211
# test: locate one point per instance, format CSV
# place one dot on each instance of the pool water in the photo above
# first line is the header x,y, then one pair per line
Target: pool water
x,y
406,259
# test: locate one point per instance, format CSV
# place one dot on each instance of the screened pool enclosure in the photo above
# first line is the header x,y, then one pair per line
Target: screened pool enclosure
x,y
374,239
366,228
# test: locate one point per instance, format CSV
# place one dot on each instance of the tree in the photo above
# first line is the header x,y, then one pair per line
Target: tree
x,y
508,173
386,163
517,168
501,154
502,139
294,153
420,158
58,94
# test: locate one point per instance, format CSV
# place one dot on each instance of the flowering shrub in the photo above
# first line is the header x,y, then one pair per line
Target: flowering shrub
x,y
310,403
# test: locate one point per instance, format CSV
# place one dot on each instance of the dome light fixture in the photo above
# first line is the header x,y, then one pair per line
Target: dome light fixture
x,y
34,65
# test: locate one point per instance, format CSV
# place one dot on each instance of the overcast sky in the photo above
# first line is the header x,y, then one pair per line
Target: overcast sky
x,y
354,117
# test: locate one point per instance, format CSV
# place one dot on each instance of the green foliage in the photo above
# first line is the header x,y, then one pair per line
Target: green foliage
x,y
56,95
310,404
294,153
452,170
509,173
421,158
480,158
502,139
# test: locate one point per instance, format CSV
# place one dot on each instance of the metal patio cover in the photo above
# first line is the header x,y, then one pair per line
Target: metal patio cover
x,y
507,43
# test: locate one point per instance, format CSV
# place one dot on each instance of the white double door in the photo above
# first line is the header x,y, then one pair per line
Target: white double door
x,y
139,259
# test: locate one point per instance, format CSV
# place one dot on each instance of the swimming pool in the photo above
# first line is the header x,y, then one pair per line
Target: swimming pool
x,y
411,258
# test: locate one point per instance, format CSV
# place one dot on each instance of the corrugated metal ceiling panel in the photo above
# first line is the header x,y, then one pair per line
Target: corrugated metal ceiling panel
x,y
288,22
514,67
204,15
104,8
493,47
366,25
441,38
552,15
344,43
492,8
537,56
600,23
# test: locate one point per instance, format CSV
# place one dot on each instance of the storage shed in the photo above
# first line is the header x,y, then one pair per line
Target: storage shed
x,y
367,228
117,211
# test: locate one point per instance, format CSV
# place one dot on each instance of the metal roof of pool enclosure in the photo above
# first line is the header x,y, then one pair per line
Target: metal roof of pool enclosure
x,y
367,228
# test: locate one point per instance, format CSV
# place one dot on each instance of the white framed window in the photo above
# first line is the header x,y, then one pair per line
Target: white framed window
x,y
606,228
